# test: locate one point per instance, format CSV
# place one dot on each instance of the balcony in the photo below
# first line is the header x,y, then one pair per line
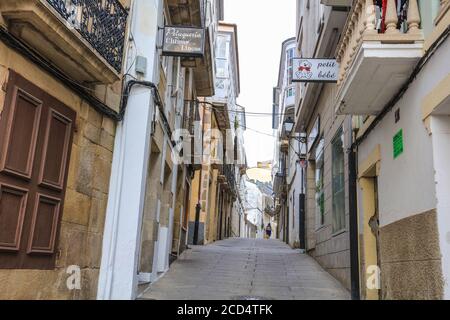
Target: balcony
x,y
83,38
204,72
376,56
222,116
229,172
279,183
192,152
187,12
192,13
337,3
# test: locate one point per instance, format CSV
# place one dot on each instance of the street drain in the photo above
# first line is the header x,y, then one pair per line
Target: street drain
x,y
250,298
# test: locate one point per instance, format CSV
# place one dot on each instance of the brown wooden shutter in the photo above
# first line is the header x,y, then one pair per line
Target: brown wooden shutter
x,y
36,132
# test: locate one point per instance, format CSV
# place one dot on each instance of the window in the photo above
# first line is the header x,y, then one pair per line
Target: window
x,y
290,92
429,10
320,17
35,143
221,47
222,68
338,182
164,60
175,75
222,57
290,65
320,185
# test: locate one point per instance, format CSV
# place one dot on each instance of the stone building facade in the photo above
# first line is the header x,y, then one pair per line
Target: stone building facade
x,y
375,212
313,214
96,169
216,210
57,129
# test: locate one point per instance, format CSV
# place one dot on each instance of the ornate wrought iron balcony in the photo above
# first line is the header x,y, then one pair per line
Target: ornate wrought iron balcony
x,y
229,172
101,22
82,38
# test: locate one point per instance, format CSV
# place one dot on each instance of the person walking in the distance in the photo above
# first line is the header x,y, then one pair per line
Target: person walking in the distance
x,y
268,231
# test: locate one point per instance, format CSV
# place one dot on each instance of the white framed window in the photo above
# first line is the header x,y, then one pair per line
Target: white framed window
x,y
290,92
320,184
290,65
338,182
320,18
222,49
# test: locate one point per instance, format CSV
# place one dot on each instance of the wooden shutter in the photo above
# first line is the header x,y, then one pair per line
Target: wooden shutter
x,y
36,132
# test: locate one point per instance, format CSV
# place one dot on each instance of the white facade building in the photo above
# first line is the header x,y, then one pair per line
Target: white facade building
x,y
286,170
146,209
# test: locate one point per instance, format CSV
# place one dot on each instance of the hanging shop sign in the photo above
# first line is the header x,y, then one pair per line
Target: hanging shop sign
x,y
183,41
315,70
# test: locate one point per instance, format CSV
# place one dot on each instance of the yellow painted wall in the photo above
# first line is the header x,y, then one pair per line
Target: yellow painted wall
x,y
213,210
194,195
370,256
369,170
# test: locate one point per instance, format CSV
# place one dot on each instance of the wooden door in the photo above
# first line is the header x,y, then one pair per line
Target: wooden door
x,y
36,133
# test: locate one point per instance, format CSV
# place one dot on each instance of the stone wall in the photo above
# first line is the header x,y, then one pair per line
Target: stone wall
x,y
331,250
180,206
83,217
150,225
411,259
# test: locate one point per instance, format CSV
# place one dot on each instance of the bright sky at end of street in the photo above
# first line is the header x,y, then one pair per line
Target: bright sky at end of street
x,y
262,27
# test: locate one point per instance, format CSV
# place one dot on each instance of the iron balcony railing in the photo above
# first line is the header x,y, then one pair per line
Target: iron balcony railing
x,y
229,172
101,22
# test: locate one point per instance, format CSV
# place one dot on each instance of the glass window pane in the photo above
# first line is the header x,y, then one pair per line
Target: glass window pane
x,y
320,192
221,47
222,68
338,182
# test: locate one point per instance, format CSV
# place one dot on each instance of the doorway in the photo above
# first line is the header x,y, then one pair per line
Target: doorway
x,y
370,215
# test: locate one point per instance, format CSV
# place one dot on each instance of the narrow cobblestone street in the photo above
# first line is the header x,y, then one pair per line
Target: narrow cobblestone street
x,y
236,269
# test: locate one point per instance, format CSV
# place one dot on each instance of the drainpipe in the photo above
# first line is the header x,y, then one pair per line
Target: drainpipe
x,y
302,213
354,233
198,208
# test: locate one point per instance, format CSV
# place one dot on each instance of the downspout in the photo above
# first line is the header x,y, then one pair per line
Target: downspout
x,y
353,208
198,208
302,201
302,212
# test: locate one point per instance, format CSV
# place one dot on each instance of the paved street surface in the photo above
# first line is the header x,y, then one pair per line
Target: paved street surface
x,y
239,269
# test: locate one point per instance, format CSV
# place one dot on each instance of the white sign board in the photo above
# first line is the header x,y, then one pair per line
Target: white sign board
x,y
315,70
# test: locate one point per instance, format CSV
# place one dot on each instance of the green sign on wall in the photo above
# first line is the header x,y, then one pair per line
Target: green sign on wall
x,y
398,144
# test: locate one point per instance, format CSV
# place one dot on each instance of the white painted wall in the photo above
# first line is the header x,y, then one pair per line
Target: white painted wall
x,y
121,241
440,126
407,185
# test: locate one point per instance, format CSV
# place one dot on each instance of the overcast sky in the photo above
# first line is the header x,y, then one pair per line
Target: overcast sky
x,y
262,26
